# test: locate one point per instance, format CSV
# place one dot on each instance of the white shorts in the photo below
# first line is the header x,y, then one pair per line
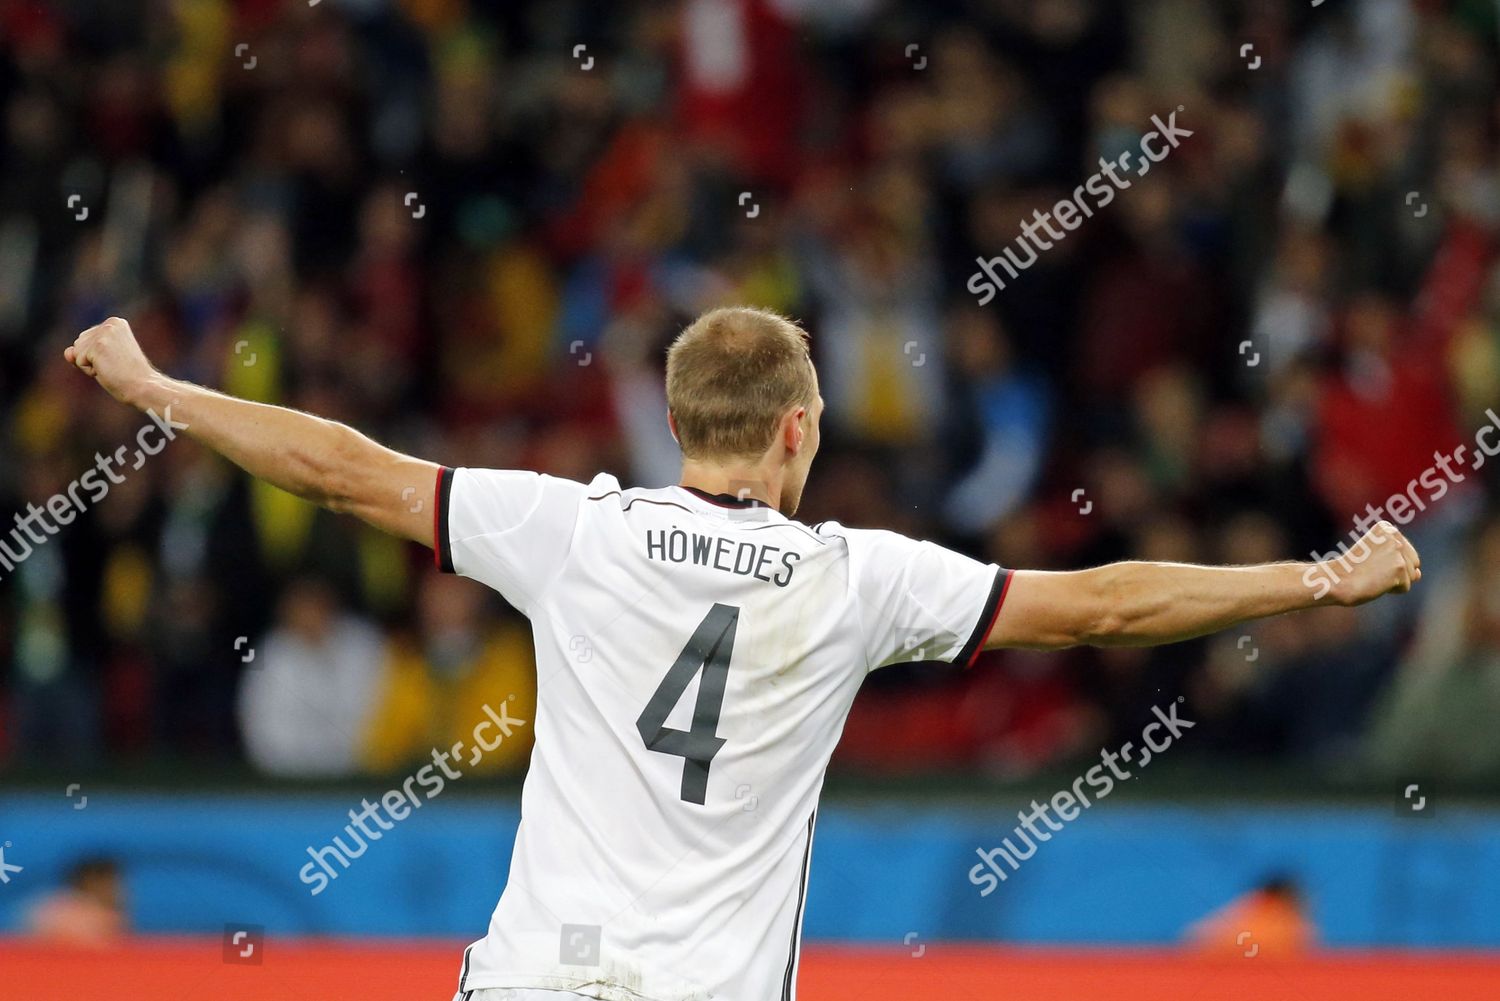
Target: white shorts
x,y
518,994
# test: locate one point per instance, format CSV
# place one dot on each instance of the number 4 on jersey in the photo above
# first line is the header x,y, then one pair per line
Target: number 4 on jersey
x,y
709,649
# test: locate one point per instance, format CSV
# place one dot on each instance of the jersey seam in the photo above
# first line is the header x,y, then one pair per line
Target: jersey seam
x,y
859,610
788,984
786,523
567,555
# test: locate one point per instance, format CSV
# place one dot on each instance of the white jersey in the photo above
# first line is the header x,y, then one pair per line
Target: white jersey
x,y
696,659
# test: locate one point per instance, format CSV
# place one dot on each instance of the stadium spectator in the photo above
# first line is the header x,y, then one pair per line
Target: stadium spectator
x,y
1437,715
436,684
89,909
306,702
1271,920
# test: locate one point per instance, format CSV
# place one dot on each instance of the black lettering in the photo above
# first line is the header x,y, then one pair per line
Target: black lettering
x,y
765,557
719,552
655,546
677,545
785,578
745,549
701,546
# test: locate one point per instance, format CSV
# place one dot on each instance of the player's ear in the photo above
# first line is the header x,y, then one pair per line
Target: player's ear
x,y
672,426
794,431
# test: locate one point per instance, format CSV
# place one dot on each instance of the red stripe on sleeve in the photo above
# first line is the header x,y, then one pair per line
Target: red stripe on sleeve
x,y
994,616
437,527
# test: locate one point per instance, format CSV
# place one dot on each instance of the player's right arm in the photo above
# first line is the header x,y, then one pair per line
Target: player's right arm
x,y
318,460
1145,604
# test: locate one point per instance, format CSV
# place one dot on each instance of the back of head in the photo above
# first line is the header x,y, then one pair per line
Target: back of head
x,y
731,376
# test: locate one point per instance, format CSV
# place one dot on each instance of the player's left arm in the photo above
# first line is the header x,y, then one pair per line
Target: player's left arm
x,y
1145,604
318,460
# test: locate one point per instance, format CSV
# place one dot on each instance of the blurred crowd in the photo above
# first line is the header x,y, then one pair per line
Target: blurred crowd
x,y
470,229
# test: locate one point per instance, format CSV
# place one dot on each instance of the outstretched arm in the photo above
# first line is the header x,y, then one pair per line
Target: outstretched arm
x,y
318,460
1144,604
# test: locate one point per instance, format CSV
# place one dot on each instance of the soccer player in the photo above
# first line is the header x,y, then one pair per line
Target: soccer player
x,y
697,650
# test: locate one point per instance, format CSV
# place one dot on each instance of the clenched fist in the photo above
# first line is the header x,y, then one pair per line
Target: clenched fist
x,y
1381,562
110,354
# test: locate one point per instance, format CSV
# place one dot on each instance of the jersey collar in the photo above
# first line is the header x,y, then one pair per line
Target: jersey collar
x,y
725,500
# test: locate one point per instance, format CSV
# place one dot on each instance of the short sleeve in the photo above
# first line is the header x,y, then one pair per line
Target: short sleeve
x,y
922,602
508,529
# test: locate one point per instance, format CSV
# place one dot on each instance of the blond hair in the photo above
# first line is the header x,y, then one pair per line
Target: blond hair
x,y
731,376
